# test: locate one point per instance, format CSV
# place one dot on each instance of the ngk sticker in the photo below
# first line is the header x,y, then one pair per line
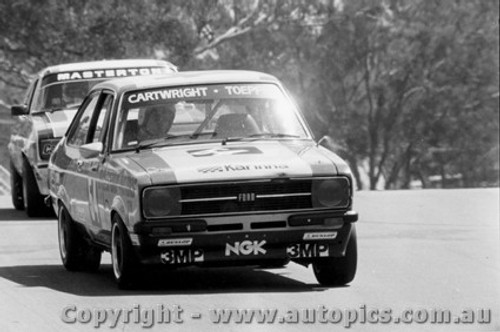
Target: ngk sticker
x,y
246,248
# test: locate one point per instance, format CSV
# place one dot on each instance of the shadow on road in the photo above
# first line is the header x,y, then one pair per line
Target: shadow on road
x,y
9,214
182,281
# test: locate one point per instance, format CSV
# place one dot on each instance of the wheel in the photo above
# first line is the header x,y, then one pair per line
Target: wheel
x,y
33,200
123,258
76,254
16,188
338,271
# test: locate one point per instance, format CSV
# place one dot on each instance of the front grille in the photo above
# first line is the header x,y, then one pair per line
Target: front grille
x,y
246,197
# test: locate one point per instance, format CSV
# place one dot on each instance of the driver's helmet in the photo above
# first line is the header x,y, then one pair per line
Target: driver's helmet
x,y
53,96
155,121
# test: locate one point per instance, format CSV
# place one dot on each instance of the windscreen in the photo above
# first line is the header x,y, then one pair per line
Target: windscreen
x,y
209,112
67,95
66,90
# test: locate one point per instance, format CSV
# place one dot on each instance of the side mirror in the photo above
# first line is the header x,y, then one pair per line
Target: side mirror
x,y
17,110
91,150
324,141
328,143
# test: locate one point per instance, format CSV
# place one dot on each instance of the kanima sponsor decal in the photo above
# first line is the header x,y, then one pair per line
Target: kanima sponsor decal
x,y
241,167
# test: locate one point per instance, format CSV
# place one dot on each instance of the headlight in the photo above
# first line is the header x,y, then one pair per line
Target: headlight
x,y
160,202
46,147
331,192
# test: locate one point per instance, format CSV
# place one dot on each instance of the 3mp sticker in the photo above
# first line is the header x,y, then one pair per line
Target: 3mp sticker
x,y
182,256
307,250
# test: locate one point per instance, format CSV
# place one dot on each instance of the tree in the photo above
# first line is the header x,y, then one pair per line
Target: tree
x,y
406,89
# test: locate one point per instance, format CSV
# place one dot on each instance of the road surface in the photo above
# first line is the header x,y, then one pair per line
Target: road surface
x,y
424,251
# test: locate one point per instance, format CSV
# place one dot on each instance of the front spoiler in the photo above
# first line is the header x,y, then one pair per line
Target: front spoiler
x,y
301,245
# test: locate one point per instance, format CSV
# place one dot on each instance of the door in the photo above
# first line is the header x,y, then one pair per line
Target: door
x,y
97,183
75,174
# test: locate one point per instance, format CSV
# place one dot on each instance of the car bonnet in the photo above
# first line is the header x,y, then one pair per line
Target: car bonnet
x,y
236,161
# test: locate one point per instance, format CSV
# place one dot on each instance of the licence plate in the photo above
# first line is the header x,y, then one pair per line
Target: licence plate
x,y
307,250
182,256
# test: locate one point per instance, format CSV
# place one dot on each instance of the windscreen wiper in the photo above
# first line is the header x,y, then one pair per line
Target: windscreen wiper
x,y
159,141
256,136
277,135
232,139
63,108
54,109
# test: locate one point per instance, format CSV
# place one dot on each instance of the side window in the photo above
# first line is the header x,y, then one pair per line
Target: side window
x,y
127,128
80,128
102,113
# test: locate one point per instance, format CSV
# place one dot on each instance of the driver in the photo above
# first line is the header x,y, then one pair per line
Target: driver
x,y
53,97
74,93
155,121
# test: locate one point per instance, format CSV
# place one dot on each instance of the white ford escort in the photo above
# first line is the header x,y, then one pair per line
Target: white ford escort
x,y
42,119
204,168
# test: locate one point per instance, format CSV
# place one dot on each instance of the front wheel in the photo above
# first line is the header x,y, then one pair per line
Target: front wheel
x,y
123,258
16,188
338,271
33,200
76,254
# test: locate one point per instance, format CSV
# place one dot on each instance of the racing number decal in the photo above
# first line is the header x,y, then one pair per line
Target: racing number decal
x,y
307,250
182,256
224,151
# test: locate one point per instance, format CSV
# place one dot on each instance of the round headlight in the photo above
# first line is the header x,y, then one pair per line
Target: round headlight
x,y
160,202
332,193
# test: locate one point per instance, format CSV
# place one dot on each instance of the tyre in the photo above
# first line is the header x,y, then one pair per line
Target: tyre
x,y
123,258
33,200
16,188
76,254
338,271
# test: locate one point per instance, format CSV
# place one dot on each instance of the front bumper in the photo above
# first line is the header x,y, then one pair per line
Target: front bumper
x,y
301,238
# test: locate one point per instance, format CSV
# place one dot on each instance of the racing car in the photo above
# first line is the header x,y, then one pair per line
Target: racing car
x,y
202,168
41,120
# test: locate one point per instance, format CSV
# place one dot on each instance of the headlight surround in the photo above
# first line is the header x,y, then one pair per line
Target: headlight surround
x,y
46,146
331,193
158,202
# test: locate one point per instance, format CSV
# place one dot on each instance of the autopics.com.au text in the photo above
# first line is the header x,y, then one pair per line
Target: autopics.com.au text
x,y
175,314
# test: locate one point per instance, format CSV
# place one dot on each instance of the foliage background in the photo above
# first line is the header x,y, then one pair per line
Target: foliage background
x,y
406,90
